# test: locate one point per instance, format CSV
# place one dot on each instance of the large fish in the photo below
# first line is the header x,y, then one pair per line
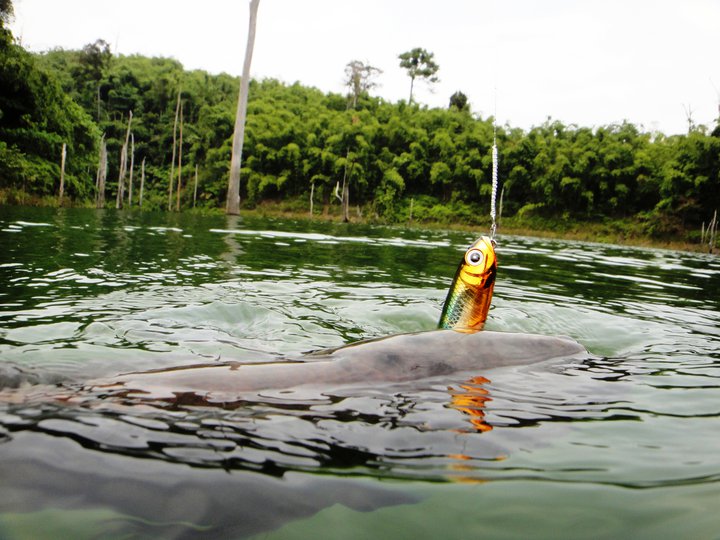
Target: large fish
x,y
401,357
457,346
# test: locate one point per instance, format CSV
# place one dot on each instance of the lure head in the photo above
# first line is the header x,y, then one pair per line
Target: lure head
x,y
479,264
468,300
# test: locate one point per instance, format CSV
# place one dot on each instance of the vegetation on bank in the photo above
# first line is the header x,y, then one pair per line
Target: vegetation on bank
x,y
402,162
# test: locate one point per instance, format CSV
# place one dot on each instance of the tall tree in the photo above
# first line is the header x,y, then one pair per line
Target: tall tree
x,y
94,60
233,195
459,101
419,63
6,12
359,79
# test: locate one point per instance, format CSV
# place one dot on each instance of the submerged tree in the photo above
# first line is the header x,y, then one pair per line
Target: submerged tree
x,y
419,63
233,195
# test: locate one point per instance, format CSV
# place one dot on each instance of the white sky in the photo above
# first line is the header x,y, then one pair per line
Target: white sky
x,y
585,62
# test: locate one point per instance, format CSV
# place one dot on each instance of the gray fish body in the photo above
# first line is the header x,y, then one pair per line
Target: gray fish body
x,y
396,358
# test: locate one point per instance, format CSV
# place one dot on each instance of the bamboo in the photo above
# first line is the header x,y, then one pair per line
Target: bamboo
x,y
63,154
233,195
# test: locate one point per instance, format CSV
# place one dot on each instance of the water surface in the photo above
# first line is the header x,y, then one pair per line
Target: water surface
x,y
624,443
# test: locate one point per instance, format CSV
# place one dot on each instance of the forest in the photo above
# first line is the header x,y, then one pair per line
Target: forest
x,y
401,161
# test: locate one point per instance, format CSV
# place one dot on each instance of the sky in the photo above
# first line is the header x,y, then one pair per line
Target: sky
x,y
585,62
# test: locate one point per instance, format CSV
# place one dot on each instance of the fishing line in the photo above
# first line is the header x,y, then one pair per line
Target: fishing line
x,y
493,195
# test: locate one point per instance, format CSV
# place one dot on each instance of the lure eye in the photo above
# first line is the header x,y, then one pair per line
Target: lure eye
x,y
474,257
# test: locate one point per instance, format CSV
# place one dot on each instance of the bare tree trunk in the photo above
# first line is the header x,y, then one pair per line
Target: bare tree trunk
x,y
345,197
196,183
63,154
233,196
502,194
121,175
102,175
172,161
123,165
180,148
142,181
312,192
132,167
346,201
97,174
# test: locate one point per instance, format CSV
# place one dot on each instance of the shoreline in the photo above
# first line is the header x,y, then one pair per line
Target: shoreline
x,y
601,233
618,232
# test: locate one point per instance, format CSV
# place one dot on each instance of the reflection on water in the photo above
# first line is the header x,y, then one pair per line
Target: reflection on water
x,y
89,294
471,398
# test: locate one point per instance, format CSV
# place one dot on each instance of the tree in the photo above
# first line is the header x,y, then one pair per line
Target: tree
x,y
459,101
95,59
233,196
6,12
360,79
419,63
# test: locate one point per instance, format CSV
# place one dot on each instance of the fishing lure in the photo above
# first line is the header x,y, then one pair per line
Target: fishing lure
x,y
468,300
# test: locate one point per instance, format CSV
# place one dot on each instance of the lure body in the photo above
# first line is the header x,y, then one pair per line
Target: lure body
x,y
468,299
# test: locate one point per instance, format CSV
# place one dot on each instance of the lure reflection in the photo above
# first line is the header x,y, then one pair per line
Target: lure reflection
x,y
470,398
468,300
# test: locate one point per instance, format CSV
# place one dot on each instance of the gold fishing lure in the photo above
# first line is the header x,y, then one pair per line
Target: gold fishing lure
x,y
468,300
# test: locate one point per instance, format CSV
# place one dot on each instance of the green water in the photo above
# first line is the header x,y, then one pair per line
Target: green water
x,y
623,444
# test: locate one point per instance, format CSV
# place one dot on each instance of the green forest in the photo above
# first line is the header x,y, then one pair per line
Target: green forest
x,y
401,161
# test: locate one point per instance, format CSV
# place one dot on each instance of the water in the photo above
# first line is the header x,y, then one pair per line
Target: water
x,y
623,444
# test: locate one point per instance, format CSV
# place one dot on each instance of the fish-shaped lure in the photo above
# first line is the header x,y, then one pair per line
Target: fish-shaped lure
x,y
468,300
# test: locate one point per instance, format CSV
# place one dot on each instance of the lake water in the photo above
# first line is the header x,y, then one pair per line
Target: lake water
x,y
624,444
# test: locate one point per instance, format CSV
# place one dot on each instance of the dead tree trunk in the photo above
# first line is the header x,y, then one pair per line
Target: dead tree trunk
x,y
132,167
63,154
123,165
312,192
345,197
196,183
97,174
101,175
142,181
172,161
180,148
233,195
